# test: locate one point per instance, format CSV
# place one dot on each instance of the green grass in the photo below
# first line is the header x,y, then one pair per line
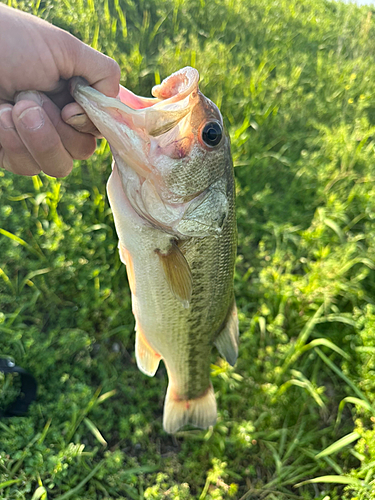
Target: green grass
x,y
296,83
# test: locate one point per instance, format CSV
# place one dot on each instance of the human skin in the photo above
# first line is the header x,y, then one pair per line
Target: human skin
x,y
44,130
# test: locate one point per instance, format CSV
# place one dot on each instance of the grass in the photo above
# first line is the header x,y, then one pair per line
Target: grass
x,y
295,82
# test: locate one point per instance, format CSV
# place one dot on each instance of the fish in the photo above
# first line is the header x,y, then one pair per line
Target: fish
x,y
172,195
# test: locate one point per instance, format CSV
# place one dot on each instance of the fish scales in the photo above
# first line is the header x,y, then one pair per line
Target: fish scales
x,y
172,196
185,330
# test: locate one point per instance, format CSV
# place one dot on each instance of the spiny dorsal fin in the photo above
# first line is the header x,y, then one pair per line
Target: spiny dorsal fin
x,y
177,273
227,340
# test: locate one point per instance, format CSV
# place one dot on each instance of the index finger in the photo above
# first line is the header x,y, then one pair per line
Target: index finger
x,y
101,72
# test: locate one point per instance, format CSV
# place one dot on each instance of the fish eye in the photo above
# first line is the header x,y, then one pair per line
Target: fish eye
x,y
212,133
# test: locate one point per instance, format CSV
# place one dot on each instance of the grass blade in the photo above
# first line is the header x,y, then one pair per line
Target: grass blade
x,y
105,396
333,479
338,445
45,431
9,483
296,349
342,375
6,279
27,279
40,492
354,401
20,241
326,343
95,431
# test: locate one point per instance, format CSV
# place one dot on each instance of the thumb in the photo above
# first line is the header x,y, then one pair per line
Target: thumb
x,y
75,116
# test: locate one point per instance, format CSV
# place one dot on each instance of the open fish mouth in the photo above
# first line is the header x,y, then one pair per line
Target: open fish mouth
x,y
174,88
129,121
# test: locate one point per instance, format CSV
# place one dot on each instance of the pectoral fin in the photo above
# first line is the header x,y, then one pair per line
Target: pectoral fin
x,y
147,359
177,273
227,340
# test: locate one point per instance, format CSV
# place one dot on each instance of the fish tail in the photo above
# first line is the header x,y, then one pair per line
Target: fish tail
x,y
200,412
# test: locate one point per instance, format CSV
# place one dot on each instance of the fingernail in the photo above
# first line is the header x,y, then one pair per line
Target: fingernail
x,y
77,120
29,95
32,118
82,123
6,119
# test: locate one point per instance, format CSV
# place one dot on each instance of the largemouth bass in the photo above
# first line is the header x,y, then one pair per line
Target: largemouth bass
x,y
172,196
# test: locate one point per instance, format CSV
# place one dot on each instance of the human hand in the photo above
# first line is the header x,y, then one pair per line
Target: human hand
x,y
35,134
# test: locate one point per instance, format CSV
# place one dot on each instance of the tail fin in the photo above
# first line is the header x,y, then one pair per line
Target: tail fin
x,y
200,412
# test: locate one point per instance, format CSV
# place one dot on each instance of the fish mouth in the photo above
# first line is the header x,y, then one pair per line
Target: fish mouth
x,y
129,121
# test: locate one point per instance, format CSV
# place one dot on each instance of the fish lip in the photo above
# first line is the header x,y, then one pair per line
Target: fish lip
x,y
154,119
187,83
121,125
77,81
188,77
79,87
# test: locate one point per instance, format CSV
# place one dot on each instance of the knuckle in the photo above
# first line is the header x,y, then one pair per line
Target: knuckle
x,y
116,71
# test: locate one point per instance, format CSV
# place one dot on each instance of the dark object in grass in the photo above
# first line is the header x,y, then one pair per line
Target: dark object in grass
x,y
27,395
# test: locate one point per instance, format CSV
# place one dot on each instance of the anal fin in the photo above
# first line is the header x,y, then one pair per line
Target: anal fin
x,y
177,273
200,412
147,359
227,340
